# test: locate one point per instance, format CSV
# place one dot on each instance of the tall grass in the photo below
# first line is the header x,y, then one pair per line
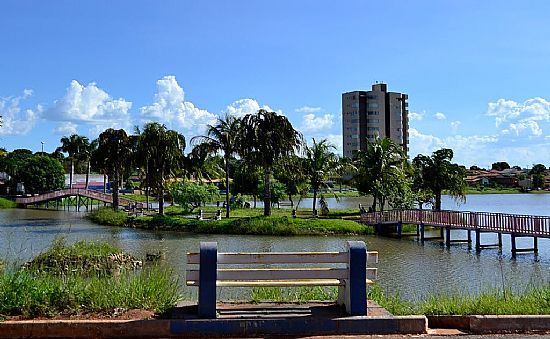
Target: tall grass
x,y
79,278
535,300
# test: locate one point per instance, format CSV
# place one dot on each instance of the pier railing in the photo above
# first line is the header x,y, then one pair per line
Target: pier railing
x,y
100,196
484,221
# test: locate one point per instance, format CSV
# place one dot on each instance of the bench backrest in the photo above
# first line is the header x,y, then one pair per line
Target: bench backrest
x,y
307,271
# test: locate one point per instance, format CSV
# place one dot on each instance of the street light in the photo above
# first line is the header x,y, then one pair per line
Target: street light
x,y
42,142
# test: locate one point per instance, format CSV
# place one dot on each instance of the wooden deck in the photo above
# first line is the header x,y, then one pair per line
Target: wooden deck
x,y
517,224
70,192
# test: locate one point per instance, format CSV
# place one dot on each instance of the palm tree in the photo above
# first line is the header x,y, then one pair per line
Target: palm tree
x,y
319,162
266,138
222,137
200,165
437,173
163,154
112,155
75,145
380,170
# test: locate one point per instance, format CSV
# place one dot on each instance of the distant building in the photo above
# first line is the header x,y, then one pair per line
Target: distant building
x,y
366,114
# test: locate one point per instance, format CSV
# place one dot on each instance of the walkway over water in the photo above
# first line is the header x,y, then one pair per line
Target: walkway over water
x,y
516,225
70,192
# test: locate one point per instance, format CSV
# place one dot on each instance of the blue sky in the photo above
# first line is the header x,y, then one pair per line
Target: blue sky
x,y
477,72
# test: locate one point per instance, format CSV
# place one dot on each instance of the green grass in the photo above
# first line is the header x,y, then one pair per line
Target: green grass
x,y
258,225
74,279
138,197
6,203
32,294
107,216
535,300
83,257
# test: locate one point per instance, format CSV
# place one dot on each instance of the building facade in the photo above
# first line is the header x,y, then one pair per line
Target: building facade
x,y
367,114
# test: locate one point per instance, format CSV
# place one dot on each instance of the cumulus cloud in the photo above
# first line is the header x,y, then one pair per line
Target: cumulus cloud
x,y
308,109
521,119
416,116
66,128
17,121
246,106
170,107
89,104
440,116
313,123
337,141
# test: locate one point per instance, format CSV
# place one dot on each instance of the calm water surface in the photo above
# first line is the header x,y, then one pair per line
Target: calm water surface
x,y
405,266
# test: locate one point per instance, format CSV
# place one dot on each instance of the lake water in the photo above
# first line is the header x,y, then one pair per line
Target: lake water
x,y
406,266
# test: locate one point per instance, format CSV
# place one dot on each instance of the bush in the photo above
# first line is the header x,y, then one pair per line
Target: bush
x,y
107,216
5,203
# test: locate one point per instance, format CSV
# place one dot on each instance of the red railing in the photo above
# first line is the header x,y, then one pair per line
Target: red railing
x,y
498,222
100,196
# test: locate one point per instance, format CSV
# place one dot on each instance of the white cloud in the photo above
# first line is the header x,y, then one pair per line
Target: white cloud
x,y
308,109
440,116
313,123
171,108
66,128
246,106
455,125
16,121
337,141
527,119
416,116
89,104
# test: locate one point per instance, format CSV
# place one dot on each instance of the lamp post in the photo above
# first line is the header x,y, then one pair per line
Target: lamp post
x,y
42,142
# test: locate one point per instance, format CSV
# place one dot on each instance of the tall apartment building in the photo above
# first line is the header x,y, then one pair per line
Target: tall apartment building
x,y
366,114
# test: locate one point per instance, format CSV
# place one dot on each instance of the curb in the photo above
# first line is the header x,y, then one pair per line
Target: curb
x,y
492,323
211,327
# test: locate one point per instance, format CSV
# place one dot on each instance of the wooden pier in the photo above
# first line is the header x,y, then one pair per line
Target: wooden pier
x,y
70,197
516,225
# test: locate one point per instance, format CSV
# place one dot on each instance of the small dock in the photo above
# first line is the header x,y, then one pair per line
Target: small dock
x,y
479,222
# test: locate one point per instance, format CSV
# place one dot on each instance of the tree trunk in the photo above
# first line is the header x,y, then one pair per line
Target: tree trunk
x,y
314,200
254,200
438,201
114,189
87,174
227,208
161,193
71,174
147,183
290,199
267,192
373,207
104,183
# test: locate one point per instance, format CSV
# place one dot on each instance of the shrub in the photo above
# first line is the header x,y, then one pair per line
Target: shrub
x,y
106,216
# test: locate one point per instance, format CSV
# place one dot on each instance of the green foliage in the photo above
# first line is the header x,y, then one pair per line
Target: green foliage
x,y
381,173
319,162
290,171
538,169
192,195
41,174
538,180
266,138
107,216
436,173
277,190
162,152
5,203
82,257
35,295
500,165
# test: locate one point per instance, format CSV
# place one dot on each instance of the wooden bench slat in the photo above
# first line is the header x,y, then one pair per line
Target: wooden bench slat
x,y
280,274
282,257
276,283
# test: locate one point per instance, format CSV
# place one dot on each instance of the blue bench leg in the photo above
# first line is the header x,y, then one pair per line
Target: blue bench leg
x,y
354,293
207,279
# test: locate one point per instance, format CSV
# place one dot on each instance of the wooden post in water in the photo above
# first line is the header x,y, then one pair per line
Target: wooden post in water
x,y
500,240
422,232
399,229
536,245
478,240
514,249
448,236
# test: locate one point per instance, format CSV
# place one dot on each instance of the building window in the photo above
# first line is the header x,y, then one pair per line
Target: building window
x,y
373,121
372,97
373,113
373,105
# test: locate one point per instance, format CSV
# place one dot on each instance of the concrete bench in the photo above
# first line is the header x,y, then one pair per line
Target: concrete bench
x,y
209,215
285,204
348,271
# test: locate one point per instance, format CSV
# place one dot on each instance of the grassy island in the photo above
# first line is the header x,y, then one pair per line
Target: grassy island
x,y
243,221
